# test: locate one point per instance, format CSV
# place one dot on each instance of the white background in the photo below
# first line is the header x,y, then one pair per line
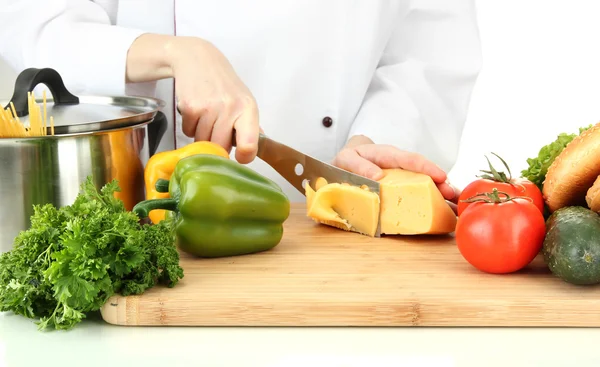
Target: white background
x,y
540,77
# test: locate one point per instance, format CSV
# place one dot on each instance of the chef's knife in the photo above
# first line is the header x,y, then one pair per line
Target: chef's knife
x,y
297,167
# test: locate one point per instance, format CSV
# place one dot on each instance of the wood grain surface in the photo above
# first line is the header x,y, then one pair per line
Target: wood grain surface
x,y
322,276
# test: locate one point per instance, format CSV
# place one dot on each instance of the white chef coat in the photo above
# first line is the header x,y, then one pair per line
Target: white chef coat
x,y
400,72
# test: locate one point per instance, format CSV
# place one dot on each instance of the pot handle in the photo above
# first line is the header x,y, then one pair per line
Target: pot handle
x,y
156,129
29,78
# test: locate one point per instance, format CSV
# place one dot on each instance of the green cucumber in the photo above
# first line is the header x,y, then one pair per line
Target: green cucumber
x,y
572,245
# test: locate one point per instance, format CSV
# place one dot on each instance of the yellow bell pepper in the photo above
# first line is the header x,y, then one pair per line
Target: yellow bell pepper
x,y
162,165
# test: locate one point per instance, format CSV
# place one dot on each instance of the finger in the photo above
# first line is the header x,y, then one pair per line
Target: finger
x,y
447,191
453,206
194,113
247,130
188,124
222,132
350,160
387,156
457,193
205,125
189,117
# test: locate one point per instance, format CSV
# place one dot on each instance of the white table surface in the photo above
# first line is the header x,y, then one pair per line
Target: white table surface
x,y
94,343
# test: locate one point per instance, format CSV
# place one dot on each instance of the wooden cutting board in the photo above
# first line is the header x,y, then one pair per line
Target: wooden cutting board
x,y
322,276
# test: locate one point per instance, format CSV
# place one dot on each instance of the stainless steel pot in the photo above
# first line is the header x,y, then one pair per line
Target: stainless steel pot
x,y
103,137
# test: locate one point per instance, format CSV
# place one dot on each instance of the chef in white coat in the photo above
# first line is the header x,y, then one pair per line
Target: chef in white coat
x,y
365,84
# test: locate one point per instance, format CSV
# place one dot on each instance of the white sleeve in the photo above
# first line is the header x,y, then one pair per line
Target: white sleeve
x,y
420,92
74,37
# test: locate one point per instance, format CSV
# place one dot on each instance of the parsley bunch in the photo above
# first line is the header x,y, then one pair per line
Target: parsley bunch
x,y
72,259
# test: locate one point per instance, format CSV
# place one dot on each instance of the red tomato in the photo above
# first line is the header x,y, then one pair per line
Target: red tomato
x,y
515,187
500,235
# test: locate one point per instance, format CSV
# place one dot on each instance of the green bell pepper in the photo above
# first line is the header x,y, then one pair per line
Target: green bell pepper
x,y
220,207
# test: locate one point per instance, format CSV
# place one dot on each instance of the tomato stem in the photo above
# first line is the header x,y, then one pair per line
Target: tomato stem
x,y
494,175
494,197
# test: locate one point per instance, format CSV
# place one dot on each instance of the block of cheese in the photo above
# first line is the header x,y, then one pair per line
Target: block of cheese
x,y
409,203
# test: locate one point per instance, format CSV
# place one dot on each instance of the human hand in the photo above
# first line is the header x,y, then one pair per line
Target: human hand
x,y
363,157
212,99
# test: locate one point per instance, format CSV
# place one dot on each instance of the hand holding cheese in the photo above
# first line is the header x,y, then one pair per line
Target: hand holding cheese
x,y
363,157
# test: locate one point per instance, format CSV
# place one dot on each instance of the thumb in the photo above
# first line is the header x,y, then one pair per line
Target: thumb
x,y
350,160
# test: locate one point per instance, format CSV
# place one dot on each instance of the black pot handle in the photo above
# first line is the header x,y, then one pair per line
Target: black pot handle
x,y
28,79
156,130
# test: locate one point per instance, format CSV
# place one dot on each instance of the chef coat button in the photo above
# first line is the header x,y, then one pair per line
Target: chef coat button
x,y
327,121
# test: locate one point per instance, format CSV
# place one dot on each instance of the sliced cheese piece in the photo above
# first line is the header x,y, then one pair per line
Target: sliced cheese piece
x,y
409,203
343,206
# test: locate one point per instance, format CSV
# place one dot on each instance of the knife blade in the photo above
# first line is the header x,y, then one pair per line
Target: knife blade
x,y
300,169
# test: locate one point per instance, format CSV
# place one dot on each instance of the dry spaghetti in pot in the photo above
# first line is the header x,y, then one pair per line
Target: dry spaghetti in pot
x,y
12,127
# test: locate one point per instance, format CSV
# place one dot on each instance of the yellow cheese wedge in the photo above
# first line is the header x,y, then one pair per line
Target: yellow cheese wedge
x,y
409,203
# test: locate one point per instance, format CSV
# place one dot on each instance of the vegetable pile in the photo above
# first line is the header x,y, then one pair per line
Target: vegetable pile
x,y
551,210
72,259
